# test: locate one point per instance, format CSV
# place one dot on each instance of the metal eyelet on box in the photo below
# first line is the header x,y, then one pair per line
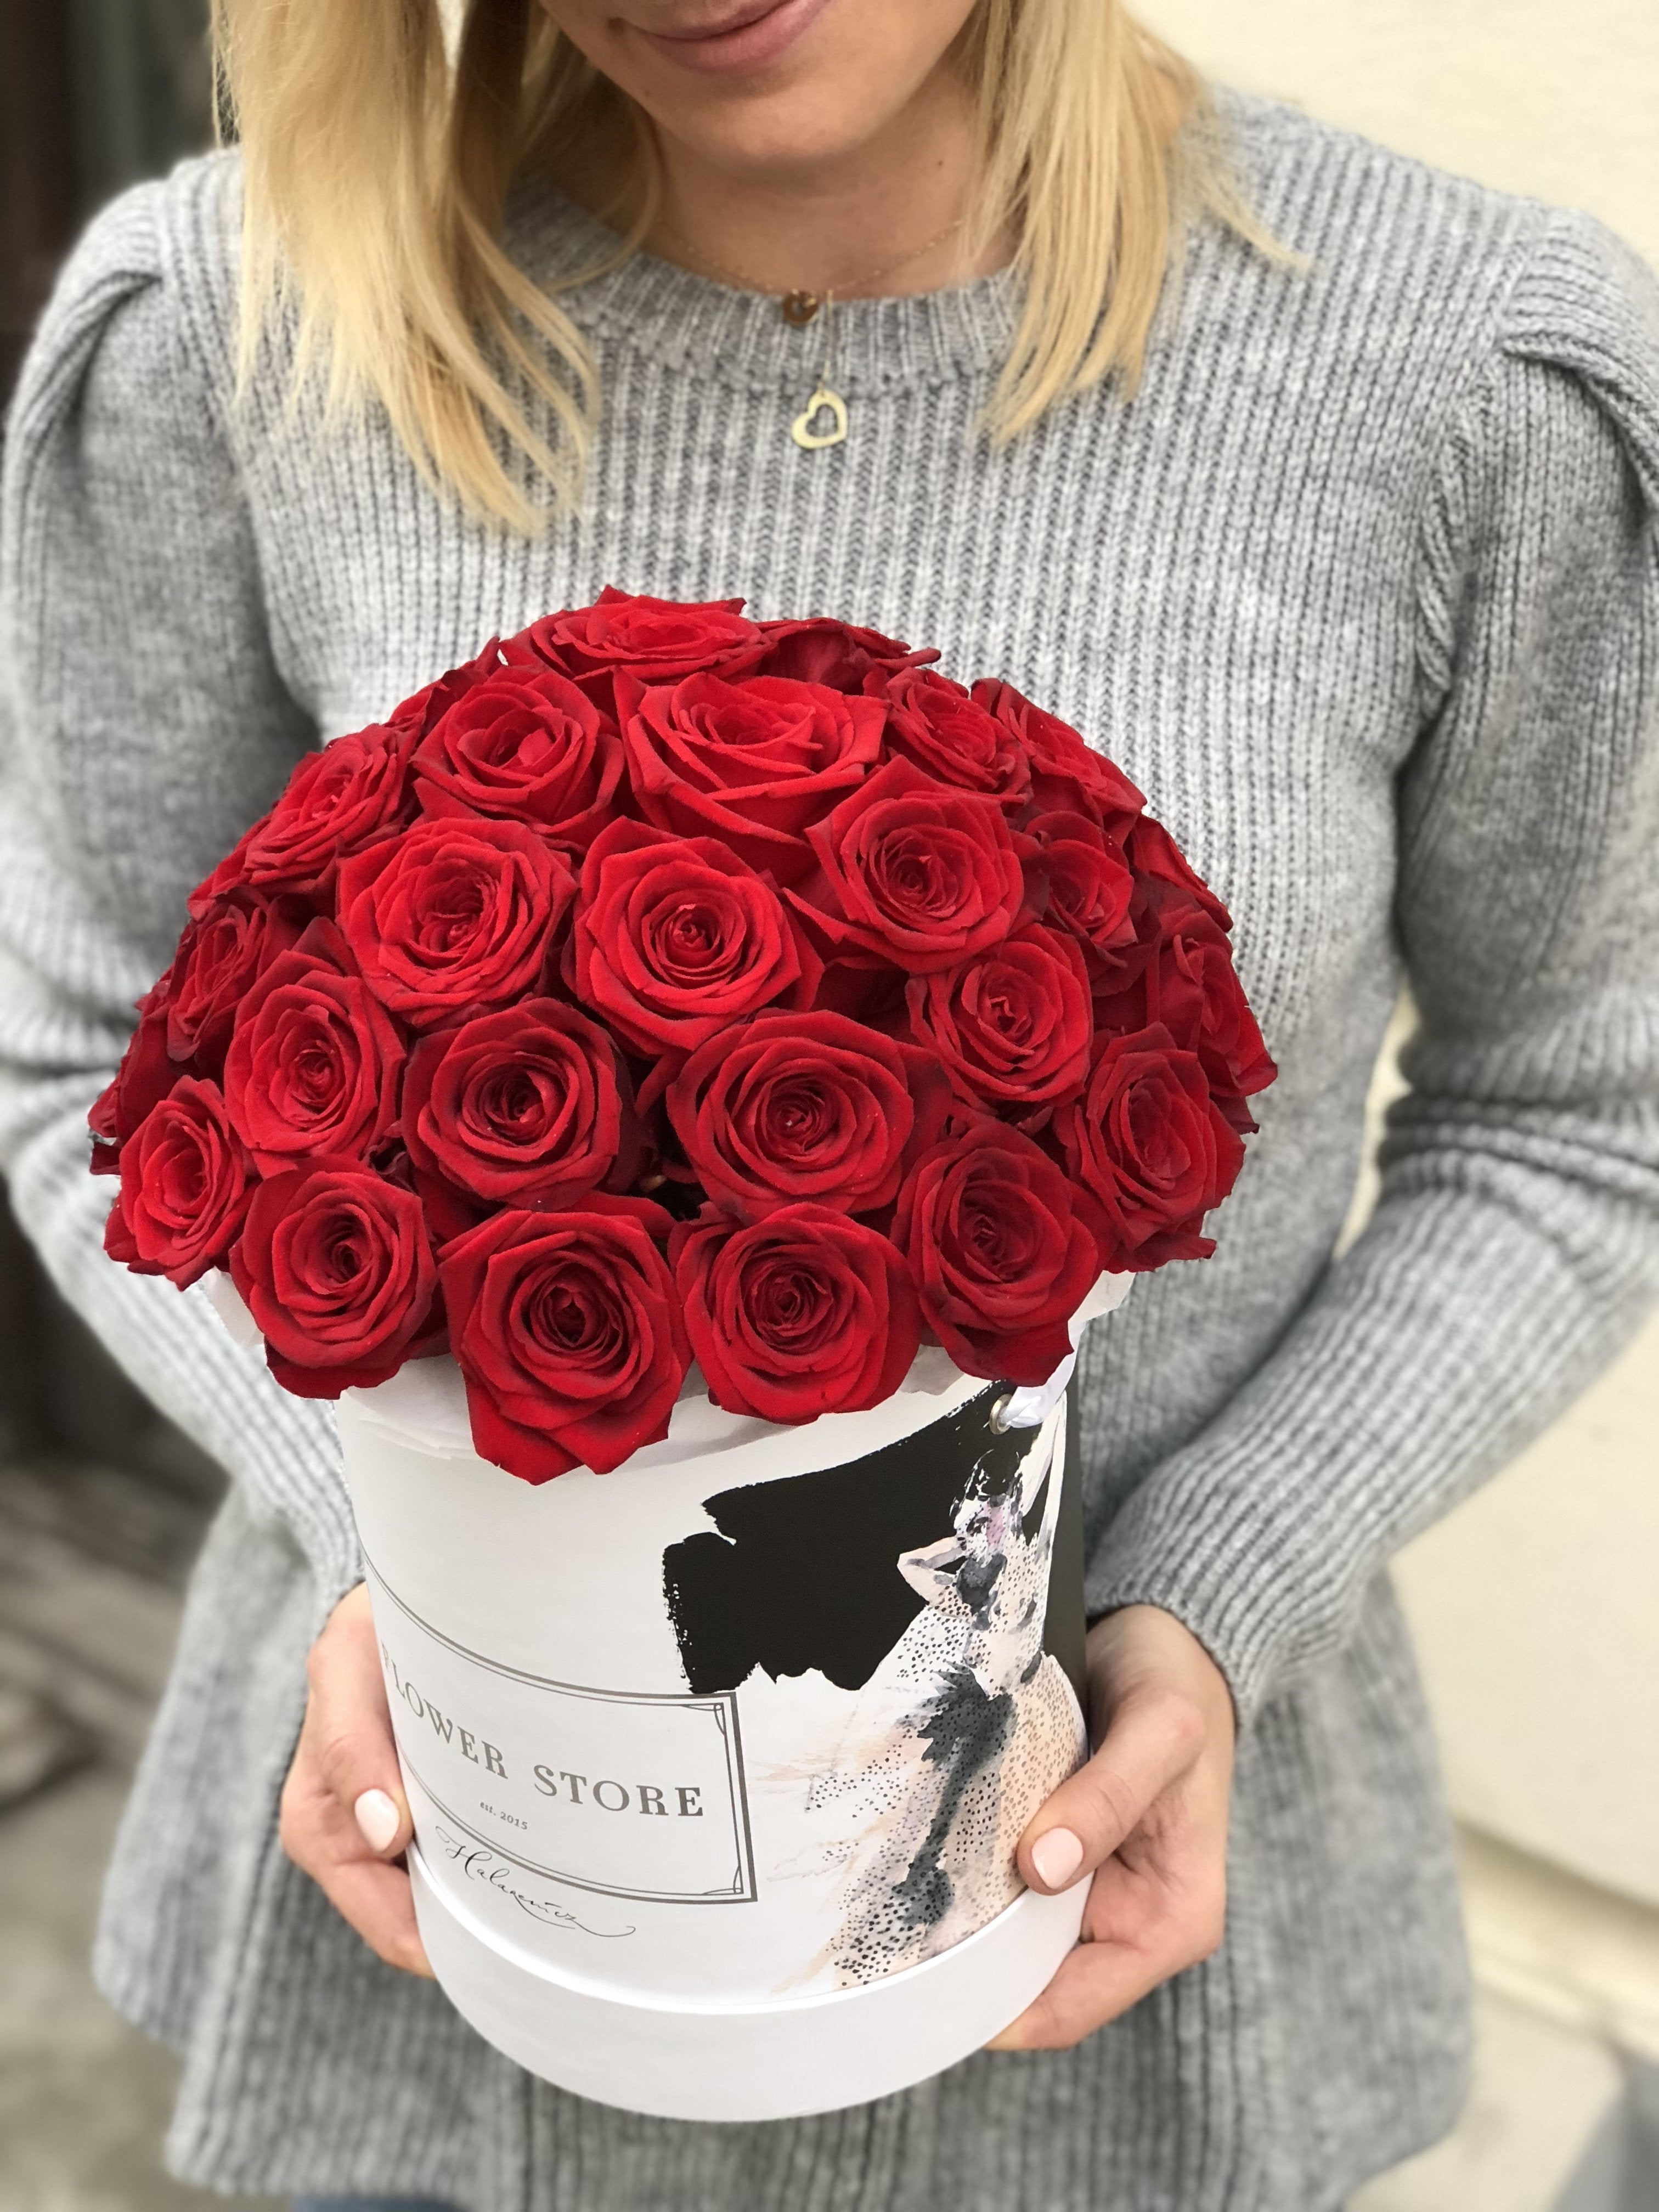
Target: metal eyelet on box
x,y
996,1419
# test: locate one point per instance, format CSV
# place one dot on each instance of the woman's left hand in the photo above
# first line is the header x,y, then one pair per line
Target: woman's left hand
x,y
1146,1818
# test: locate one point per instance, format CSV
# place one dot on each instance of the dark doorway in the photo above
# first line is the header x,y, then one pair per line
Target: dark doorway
x,y
94,94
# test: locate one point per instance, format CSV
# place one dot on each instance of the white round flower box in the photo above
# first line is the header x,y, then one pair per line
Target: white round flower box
x,y
717,1763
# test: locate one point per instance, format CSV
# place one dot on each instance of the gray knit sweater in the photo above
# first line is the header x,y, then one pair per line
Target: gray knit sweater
x,y
1362,589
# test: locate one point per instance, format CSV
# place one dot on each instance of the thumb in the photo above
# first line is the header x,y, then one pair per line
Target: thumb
x,y
1154,1737
350,1728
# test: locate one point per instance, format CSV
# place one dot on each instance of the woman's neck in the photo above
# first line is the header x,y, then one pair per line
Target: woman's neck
x,y
885,219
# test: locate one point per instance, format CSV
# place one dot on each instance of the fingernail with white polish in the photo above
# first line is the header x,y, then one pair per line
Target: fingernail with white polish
x,y
1056,1857
378,1819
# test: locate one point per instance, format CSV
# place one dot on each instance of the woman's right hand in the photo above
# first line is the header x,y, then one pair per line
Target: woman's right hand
x,y
344,1817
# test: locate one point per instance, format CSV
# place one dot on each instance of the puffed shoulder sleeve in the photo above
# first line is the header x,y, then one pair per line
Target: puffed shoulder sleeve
x,y
142,726
1515,1245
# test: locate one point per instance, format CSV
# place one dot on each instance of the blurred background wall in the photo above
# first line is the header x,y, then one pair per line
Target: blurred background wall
x,y
1534,1605
1559,100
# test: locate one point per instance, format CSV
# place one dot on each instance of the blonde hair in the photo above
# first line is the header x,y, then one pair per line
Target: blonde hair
x,y
377,175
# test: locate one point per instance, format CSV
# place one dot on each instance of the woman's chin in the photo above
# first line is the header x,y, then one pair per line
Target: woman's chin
x,y
768,93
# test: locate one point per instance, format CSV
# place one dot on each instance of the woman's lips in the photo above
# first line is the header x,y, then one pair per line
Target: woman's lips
x,y
742,41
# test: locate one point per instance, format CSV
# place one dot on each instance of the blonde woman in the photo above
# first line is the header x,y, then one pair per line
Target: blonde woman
x,y
1323,492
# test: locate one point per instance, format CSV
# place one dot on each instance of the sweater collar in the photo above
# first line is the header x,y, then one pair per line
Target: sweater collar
x,y
740,339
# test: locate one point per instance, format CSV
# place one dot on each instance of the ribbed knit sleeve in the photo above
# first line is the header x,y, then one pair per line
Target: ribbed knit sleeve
x,y
1516,1244
141,727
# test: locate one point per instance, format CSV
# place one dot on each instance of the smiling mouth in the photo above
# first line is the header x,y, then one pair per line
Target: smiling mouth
x,y
747,37
728,27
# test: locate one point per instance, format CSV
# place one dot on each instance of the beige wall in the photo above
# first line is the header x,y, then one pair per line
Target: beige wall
x,y
1559,98
1536,1605
1536,1610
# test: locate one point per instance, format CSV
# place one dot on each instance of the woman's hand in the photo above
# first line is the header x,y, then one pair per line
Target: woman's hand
x,y
1146,1818
344,1816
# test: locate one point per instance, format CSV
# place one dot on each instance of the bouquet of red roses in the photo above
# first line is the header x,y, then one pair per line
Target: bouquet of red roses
x,y
663,984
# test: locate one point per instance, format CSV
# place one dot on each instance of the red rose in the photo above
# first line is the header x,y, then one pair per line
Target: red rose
x,y
144,1078
795,1106
945,731
1003,1250
426,707
1013,1022
1147,1140
186,1183
802,1314
336,1267
922,876
526,745
839,654
220,956
569,1334
1151,851
658,640
314,1060
676,937
529,1107
1068,774
341,800
1090,891
752,763
454,915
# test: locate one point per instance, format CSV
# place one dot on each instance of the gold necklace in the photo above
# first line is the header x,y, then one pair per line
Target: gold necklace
x,y
798,307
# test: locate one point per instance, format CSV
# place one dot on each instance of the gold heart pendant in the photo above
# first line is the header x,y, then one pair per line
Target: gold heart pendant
x,y
801,429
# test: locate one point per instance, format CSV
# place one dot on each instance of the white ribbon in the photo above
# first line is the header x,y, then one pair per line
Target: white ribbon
x,y
1030,1407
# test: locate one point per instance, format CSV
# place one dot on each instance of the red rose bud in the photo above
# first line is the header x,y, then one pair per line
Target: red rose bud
x,y
804,1313
314,1062
939,726
1003,1251
186,1184
839,654
1012,1024
336,1267
453,916
529,1107
676,937
525,745
220,956
753,763
144,1078
1090,889
919,875
1148,1141
427,707
1151,851
338,801
1068,774
812,1106
569,1334
1190,987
